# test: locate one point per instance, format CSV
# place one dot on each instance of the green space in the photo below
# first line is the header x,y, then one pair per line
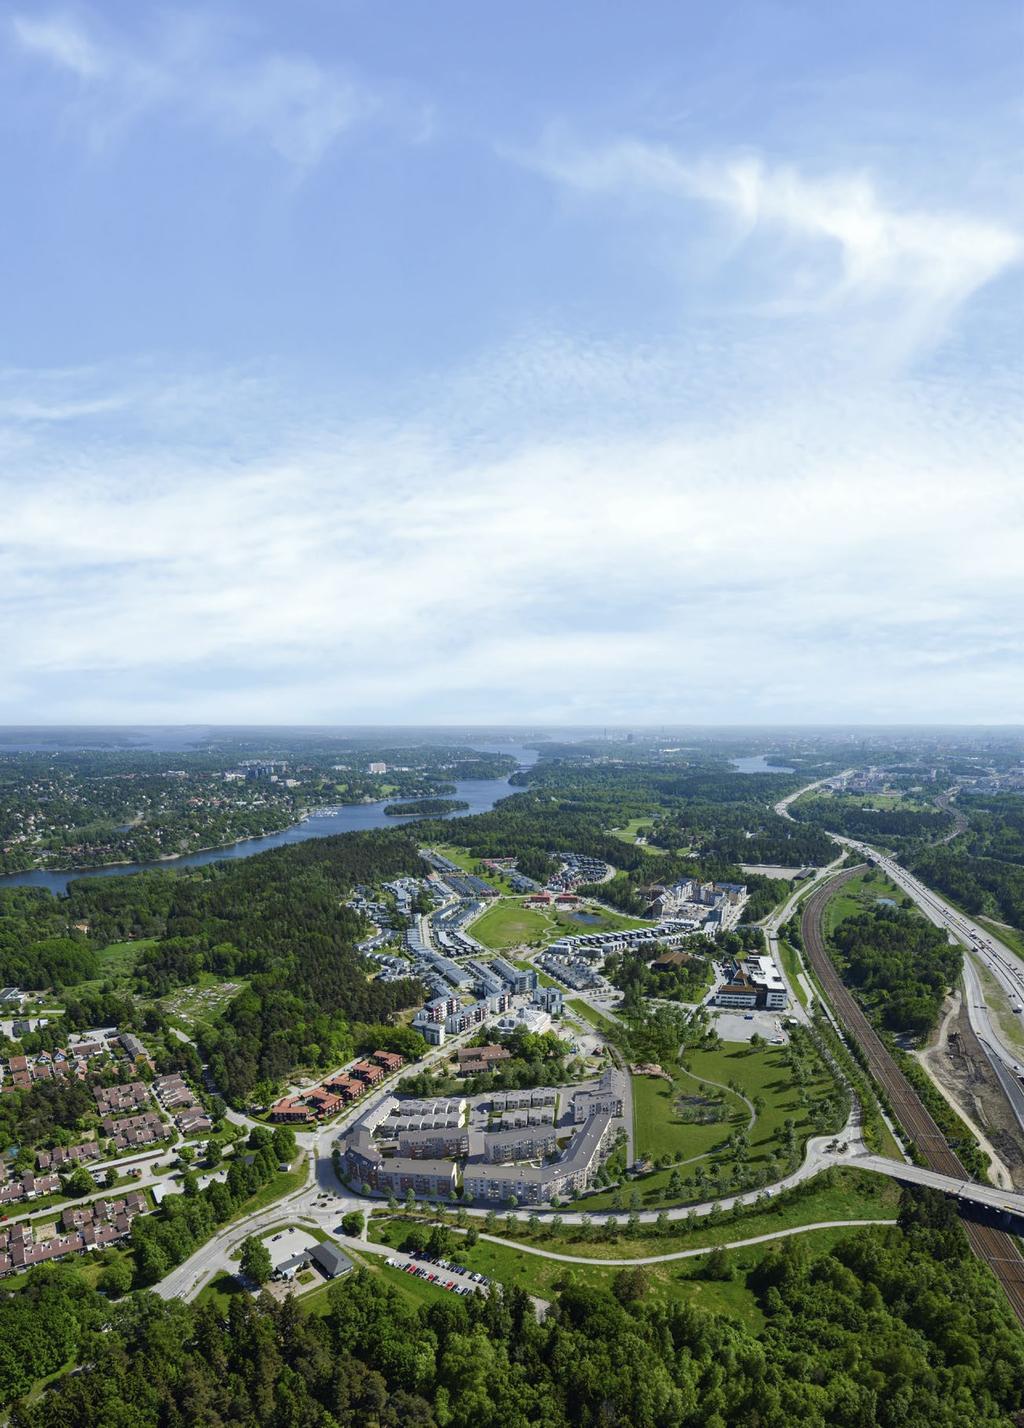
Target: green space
x,y
705,1162
629,832
672,1281
284,1182
510,923
792,966
220,1291
595,1018
116,964
842,1193
1012,937
859,895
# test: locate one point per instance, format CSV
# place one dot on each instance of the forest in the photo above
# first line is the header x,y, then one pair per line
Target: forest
x,y
983,869
900,965
891,1328
904,825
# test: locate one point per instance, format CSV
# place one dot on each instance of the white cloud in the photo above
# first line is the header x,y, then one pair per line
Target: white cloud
x,y
296,105
61,40
808,562
847,248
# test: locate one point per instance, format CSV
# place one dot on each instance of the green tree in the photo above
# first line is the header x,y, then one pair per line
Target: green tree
x,y
255,1263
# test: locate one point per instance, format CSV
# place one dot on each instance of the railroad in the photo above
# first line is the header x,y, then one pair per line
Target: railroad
x,y
997,1249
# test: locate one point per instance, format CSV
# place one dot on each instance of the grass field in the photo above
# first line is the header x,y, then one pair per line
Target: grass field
x,y
792,966
285,1182
510,923
595,1018
675,1281
859,895
116,964
659,1131
629,831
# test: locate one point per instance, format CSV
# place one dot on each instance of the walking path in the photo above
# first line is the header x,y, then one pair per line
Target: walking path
x,y
686,1253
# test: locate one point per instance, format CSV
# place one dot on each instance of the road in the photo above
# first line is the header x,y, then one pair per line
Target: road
x,y
986,950
988,1197
998,1250
779,918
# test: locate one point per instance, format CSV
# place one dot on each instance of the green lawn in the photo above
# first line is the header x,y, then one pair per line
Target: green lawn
x,y
596,1019
629,831
220,1291
510,923
792,966
675,1281
116,964
859,895
285,1182
843,1194
659,1131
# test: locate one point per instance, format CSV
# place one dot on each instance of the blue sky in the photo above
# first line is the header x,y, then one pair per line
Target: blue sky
x,y
586,362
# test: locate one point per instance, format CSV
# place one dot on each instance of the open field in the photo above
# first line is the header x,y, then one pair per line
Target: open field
x,y
792,967
659,1130
637,826
117,962
674,1281
509,923
859,895
595,1018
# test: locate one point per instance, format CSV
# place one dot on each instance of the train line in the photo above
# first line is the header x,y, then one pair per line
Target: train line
x,y
998,1250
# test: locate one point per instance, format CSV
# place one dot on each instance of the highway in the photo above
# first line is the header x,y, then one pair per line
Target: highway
x,y
998,1250
1001,963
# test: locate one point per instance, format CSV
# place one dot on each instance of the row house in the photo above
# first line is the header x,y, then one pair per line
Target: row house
x,y
67,1155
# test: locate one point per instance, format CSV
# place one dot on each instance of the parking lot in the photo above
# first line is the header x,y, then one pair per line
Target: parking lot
x,y
735,1026
446,1274
286,1244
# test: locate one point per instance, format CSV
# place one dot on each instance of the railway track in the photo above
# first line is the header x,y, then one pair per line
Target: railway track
x,y
998,1250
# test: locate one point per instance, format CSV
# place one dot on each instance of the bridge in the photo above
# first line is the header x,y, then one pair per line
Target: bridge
x,y
967,1192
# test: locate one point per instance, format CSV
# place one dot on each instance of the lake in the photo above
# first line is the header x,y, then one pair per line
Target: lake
x,y
480,793
755,763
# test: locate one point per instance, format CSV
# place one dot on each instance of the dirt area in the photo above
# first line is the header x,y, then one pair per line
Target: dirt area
x,y
962,1072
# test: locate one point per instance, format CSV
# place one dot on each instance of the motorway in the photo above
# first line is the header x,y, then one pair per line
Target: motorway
x,y
322,1200
997,1249
1000,962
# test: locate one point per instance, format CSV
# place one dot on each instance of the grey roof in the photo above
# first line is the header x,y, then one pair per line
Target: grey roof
x,y
330,1258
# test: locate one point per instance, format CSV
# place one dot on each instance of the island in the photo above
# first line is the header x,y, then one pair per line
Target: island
x,y
426,807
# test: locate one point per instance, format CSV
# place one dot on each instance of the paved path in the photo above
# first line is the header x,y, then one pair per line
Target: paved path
x,y
686,1253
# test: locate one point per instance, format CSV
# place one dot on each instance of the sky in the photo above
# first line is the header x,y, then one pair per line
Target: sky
x,y
585,363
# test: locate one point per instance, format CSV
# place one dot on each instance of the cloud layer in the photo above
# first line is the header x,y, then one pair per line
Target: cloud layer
x,y
186,67
757,573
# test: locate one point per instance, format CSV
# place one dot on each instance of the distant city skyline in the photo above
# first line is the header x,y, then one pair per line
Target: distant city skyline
x,y
511,365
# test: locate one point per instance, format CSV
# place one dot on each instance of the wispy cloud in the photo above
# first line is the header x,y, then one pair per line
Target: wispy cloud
x,y
847,248
805,563
294,104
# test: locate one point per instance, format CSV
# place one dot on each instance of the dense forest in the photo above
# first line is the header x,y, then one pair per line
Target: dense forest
x,y
896,1328
897,826
983,869
900,965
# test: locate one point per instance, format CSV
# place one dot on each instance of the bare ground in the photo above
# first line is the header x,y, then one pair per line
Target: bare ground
x,y
961,1071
